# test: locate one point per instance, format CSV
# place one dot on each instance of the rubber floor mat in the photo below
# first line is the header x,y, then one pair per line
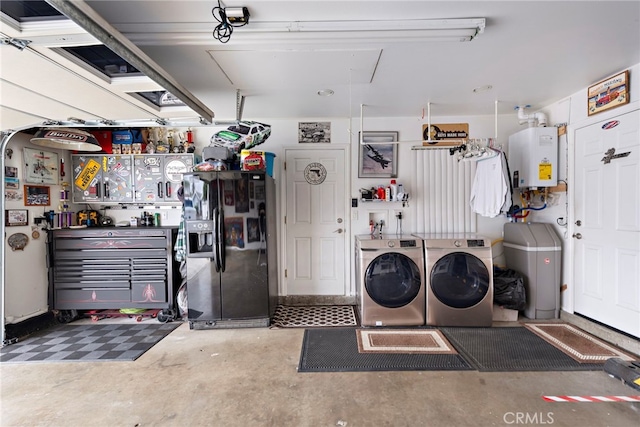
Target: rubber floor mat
x,y
511,349
336,350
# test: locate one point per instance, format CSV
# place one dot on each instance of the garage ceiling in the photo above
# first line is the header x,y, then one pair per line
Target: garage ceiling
x,y
531,52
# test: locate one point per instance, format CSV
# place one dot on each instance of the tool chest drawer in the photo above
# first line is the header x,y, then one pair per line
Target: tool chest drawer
x,y
110,268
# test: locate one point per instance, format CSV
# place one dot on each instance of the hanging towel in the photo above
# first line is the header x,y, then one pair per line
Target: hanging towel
x,y
490,190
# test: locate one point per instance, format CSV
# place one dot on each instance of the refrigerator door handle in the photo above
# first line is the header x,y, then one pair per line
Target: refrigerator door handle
x,y
221,242
216,238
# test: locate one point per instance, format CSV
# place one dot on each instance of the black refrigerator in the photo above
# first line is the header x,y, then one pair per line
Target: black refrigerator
x,y
230,232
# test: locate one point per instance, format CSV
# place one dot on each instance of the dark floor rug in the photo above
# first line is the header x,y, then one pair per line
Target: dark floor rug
x,y
336,350
511,349
317,316
87,343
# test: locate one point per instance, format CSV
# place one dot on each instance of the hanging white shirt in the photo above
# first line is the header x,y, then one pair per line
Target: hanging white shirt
x,y
490,189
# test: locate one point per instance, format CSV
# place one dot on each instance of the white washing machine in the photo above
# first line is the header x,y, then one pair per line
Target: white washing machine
x,y
391,287
459,279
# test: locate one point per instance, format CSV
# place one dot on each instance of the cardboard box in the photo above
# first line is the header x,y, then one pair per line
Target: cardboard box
x,y
501,314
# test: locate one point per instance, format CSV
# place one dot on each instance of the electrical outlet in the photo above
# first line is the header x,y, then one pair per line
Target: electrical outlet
x,y
354,215
165,215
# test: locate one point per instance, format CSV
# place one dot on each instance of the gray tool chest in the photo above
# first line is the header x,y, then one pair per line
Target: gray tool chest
x,y
110,268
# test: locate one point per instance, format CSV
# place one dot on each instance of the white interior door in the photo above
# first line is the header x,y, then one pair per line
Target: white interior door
x,y
607,231
316,226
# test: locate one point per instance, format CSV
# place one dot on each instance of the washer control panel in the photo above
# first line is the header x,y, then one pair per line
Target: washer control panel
x,y
475,243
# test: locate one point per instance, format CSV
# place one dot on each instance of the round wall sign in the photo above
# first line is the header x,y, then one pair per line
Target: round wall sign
x,y
315,173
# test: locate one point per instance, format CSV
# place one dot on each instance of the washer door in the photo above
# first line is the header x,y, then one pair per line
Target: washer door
x,y
392,280
459,280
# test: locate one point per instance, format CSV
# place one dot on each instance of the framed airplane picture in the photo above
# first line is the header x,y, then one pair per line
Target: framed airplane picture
x,y
378,156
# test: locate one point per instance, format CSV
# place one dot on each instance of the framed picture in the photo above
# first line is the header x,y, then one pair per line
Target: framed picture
x,y
37,195
13,217
314,132
378,157
40,167
609,93
11,183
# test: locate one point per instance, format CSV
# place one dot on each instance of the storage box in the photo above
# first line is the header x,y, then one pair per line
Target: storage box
x,y
501,314
257,161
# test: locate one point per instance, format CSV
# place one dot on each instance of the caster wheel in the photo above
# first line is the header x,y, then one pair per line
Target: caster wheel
x,y
164,316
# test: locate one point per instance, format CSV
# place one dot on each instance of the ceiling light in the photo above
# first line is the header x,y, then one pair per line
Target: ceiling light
x,y
390,30
66,139
325,92
484,88
94,24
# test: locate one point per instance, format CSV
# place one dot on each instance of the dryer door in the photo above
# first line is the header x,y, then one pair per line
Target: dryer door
x,y
460,280
392,280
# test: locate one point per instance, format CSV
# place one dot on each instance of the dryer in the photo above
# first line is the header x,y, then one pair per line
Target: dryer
x,y
391,287
459,279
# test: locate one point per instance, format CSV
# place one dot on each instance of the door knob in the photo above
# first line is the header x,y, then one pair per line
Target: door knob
x,y
339,231
339,220
577,236
578,223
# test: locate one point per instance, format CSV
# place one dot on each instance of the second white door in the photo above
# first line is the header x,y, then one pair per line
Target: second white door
x,y
315,224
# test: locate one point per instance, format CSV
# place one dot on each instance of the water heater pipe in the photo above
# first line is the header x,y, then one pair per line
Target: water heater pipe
x,y
532,118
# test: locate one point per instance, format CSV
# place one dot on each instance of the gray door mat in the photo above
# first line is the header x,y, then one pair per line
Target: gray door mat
x,y
87,343
336,350
511,349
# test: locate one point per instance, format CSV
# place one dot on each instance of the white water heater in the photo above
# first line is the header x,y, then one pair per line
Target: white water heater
x,y
533,157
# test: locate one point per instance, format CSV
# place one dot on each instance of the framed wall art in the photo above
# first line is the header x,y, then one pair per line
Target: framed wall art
x,y
40,167
314,132
609,93
37,195
378,155
15,217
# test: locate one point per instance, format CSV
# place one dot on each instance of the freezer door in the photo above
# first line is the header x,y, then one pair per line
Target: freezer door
x,y
203,289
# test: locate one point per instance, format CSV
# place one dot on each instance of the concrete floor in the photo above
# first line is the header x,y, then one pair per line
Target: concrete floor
x,y
247,377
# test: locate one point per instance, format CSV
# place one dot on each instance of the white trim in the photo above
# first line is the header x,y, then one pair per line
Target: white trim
x,y
532,248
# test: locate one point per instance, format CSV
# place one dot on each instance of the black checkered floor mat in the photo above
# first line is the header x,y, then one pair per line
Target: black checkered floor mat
x,y
288,316
87,342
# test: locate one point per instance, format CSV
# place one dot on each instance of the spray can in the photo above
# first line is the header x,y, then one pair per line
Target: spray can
x,y
394,190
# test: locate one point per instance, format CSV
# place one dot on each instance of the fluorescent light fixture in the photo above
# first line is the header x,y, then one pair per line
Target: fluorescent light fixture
x,y
418,30
390,30
94,24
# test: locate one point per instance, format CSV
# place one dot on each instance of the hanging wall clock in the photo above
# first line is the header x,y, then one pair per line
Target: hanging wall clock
x,y
40,167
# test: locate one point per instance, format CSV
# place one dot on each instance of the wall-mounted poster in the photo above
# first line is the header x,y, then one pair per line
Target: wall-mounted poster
x,y
40,167
610,93
314,132
444,135
234,231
